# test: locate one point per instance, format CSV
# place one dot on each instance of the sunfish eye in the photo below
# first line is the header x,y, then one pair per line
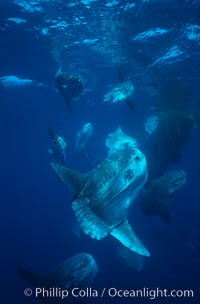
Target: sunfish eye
x,y
137,157
128,175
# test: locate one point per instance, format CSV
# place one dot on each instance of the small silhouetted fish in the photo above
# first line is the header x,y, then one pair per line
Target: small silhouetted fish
x,y
82,138
70,86
59,147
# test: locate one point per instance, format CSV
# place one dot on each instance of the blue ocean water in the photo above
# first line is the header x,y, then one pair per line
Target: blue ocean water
x,y
156,46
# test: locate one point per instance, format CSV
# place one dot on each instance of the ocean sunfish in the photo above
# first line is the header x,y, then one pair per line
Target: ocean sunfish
x,y
59,147
82,138
157,193
12,81
121,92
79,270
151,124
70,86
103,196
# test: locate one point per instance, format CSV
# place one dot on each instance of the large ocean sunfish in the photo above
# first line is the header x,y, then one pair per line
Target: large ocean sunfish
x,y
79,270
104,195
157,193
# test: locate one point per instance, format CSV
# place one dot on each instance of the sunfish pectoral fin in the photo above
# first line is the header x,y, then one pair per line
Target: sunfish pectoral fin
x,y
127,237
73,179
91,224
130,104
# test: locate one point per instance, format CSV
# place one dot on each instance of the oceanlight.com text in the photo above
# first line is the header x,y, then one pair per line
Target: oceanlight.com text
x,y
151,293
112,292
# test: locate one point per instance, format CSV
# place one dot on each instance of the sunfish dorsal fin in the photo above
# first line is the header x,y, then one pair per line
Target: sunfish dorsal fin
x,y
73,179
31,277
128,238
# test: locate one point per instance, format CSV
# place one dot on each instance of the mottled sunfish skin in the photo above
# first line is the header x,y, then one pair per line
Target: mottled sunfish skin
x,y
69,85
79,270
157,193
118,140
104,195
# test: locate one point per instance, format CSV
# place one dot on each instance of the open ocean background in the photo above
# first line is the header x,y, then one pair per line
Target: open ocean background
x,y
151,41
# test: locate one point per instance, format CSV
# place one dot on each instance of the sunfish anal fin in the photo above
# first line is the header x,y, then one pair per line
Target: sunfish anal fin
x,y
89,222
127,237
73,179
